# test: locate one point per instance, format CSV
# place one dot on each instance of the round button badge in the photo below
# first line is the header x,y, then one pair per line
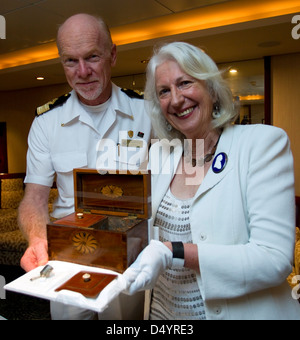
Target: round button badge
x,y
220,162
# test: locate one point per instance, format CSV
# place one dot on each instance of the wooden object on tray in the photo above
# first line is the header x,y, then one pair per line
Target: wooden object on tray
x,y
110,226
90,288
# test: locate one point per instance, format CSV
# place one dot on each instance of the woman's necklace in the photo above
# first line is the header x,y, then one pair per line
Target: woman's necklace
x,y
207,158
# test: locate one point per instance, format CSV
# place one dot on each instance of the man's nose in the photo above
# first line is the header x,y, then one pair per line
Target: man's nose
x,y
83,69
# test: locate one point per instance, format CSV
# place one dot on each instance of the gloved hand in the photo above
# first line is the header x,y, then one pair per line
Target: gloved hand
x,y
149,265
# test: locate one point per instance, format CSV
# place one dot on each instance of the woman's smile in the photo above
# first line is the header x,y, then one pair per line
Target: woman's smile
x,y
185,114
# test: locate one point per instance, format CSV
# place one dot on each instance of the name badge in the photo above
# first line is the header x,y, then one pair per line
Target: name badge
x,y
132,143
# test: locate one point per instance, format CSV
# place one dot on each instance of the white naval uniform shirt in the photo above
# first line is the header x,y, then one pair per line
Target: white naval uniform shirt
x,y
66,138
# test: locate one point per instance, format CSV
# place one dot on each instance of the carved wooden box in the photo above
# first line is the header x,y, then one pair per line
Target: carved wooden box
x,y
110,226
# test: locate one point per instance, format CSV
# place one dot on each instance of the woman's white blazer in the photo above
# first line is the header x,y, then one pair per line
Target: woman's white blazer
x,y
243,221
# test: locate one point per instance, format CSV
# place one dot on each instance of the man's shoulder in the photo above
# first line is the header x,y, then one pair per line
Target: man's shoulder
x,y
132,93
52,104
128,102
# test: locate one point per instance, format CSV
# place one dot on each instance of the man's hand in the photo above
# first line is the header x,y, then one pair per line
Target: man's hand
x,y
36,255
33,217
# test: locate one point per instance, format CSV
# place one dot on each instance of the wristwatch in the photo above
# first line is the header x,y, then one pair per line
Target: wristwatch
x,y
178,255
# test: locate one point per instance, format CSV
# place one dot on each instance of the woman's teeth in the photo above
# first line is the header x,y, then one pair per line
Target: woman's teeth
x,y
185,113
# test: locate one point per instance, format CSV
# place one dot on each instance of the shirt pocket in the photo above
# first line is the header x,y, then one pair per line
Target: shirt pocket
x,y
67,161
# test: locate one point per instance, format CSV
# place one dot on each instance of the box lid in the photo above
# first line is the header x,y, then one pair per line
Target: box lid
x,y
116,193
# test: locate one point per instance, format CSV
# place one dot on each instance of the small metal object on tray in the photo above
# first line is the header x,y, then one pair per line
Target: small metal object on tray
x,y
45,273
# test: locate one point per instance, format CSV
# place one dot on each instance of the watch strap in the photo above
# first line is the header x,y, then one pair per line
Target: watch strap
x,y
178,255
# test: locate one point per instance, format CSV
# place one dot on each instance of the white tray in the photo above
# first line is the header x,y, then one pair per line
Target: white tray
x,y
44,288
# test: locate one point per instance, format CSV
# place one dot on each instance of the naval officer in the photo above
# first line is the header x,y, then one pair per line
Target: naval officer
x,y
74,130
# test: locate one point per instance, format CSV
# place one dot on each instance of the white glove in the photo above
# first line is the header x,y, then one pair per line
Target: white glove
x,y
109,293
147,268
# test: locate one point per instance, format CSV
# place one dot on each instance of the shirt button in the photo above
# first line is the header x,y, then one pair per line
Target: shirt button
x,y
203,237
218,310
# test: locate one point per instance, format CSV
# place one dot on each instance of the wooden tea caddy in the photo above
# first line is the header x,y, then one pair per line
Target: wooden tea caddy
x,y
110,225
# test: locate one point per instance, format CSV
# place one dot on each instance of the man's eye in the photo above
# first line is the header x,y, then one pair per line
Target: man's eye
x,y
70,62
93,58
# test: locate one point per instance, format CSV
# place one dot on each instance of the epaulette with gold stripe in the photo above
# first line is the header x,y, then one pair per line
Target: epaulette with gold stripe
x,y
133,94
52,104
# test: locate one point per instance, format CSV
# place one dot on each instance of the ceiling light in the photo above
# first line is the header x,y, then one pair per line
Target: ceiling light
x,y
40,78
233,71
252,97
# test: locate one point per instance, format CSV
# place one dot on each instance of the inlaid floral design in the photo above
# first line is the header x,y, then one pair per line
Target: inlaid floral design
x,y
112,191
84,243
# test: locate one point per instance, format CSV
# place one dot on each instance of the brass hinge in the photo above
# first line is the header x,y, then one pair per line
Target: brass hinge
x,y
132,217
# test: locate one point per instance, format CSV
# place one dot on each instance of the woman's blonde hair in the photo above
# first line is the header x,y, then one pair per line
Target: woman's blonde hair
x,y
197,64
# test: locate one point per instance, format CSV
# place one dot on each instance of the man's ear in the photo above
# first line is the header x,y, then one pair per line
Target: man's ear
x,y
113,55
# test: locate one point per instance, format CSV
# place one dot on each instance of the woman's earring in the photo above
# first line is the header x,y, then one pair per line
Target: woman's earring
x,y
216,111
169,127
